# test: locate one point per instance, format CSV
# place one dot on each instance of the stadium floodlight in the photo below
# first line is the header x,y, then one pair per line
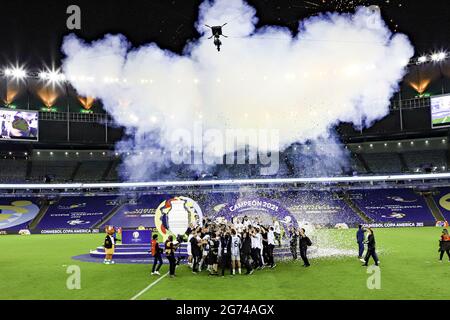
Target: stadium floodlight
x,y
52,76
422,59
17,73
438,56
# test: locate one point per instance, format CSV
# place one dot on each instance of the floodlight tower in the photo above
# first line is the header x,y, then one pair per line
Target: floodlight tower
x,y
18,74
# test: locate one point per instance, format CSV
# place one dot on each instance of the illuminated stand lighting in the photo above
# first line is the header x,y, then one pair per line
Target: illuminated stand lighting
x,y
436,58
237,182
18,74
433,57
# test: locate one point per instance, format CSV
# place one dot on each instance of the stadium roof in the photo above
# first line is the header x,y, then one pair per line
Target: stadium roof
x,y
32,32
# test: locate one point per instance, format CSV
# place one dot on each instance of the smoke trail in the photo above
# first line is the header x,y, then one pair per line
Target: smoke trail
x,y
339,68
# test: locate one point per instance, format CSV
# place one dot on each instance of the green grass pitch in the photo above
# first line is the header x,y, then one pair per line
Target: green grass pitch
x,y
35,267
440,120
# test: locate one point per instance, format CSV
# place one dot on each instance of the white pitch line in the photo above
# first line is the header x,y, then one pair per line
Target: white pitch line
x,y
149,286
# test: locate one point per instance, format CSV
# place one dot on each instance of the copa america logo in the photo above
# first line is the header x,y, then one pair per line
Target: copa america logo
x,y
175,215
135,235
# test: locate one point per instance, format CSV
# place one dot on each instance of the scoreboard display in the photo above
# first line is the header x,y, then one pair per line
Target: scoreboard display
x,y
19,125
440,111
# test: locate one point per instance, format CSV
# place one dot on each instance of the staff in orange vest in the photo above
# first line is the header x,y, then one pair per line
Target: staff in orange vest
x,y
444,245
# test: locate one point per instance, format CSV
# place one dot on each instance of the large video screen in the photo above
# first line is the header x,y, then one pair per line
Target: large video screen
x,y
19,125
440,111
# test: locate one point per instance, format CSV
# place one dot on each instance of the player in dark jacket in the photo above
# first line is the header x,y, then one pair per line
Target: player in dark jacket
x,y
246,251
360,241
225,256
156,252
371,250
214,255
304,243
293,242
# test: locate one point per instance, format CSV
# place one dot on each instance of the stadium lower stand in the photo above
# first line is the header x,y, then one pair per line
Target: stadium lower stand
x,y
406,206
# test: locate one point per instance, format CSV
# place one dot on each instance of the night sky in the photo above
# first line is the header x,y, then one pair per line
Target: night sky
x,y
31,32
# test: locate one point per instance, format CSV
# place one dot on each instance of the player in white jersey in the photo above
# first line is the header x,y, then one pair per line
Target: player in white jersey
x,y
239,227
277,230
260,246
235,252
189,250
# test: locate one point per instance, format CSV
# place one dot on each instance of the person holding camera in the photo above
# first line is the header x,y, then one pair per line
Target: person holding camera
x,y
170,248
157,255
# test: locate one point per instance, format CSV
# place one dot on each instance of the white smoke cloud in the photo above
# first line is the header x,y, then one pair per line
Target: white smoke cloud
x,y
339,68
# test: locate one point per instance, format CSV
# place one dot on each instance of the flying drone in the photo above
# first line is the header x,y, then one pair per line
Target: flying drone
x,y
217,33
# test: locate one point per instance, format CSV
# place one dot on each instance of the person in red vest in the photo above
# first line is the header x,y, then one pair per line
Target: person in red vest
x,y
157,255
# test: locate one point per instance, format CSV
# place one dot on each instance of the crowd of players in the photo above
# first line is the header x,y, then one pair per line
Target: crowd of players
x,y
221,245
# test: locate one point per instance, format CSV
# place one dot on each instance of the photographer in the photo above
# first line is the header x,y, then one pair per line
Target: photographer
x,y
156,253
170,248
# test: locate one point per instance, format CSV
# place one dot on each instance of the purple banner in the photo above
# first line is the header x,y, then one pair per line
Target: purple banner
x,y
392,205
77,212
265,209
442,199
136,237
17,213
